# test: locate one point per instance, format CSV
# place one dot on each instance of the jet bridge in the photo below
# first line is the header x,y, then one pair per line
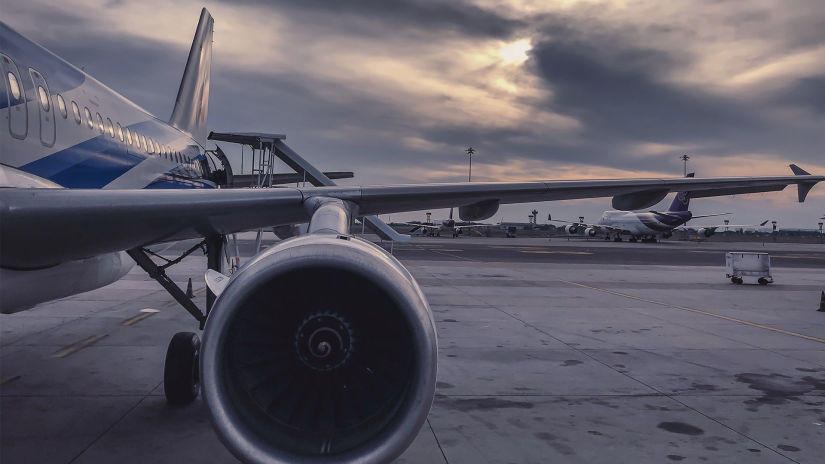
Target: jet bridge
x,y
266,147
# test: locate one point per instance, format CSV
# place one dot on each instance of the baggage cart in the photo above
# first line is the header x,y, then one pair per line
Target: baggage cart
x,y
751,266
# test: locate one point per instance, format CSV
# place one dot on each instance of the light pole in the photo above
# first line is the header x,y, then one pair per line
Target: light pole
x,y
470,151
685,158
820,232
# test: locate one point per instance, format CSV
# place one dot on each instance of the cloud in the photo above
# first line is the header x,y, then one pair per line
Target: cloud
x,y
396,90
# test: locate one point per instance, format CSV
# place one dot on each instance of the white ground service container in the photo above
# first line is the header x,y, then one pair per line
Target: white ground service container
x,y
753,267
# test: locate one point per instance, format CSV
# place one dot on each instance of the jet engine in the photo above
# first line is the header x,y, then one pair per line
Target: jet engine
x,y
590,232
703,232
321,349
571,229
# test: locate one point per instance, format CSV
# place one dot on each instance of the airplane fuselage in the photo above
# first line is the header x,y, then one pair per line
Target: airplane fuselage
x,y
61,128
644,223
63,125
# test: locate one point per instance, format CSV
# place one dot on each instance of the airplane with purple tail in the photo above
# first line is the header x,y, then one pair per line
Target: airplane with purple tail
x,y
648,226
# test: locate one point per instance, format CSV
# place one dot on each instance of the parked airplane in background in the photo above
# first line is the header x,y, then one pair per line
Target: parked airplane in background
x,y
647,226
448,226
322,348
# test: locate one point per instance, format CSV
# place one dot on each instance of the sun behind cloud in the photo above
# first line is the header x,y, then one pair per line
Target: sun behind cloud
x,y
515,52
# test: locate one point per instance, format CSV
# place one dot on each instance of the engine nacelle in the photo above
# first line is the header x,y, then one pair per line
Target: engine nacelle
x,y
590,232
703,232
571,229
321,349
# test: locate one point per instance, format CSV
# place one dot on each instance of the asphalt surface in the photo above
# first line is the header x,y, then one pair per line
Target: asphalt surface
x,y
626,354
578,251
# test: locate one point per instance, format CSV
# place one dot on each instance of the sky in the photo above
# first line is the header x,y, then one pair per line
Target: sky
x,y
397,90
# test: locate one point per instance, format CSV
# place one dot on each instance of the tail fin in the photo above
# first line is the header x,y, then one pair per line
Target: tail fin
x,y
451,213
681,201
192,103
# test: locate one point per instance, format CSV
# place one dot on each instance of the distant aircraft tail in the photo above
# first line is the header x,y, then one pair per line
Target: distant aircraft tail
x,y
681,201
192,103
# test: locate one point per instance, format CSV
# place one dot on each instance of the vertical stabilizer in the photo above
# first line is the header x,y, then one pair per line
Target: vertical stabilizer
x,y
192,103
681,202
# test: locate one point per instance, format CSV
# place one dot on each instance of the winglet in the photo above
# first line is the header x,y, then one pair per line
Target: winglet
x,y
762,224
804,187
799,171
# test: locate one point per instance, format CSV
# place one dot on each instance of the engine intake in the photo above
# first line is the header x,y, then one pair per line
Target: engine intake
x,y
321,349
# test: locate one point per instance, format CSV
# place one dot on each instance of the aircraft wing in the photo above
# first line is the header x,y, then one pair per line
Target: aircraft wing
x,y
470,226
710,215
421,226
719,226
585,225
45,226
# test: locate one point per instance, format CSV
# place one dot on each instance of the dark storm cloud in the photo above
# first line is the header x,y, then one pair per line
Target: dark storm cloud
x,y
619,91
627,100
386,16
808,93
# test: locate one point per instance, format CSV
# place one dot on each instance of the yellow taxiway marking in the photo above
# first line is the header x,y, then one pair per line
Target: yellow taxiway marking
x,y
144,313
8,379
196,292
699,311
77,346
199,290
552,252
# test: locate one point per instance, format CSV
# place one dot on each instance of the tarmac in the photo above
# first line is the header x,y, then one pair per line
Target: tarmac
x,y
549,351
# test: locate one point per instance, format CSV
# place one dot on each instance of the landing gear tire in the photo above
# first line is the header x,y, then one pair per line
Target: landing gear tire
x,y
181,372
736,280
763,281
617,239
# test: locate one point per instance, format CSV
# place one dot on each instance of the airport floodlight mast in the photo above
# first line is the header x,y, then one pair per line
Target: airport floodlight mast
x,y
685,158
470,151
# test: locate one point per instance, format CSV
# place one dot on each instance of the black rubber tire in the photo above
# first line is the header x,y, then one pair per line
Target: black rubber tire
x,y
762,281
181,372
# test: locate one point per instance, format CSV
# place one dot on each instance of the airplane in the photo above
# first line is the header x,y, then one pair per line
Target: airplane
x,y
648,226
447,226
321,348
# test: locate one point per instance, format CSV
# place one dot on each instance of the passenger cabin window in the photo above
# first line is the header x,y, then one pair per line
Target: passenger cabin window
x,y
128,136
18,119
151,147
89,117
137,140
61,105
143,142
110,127
119,132
100,123
44,98
76,112
14,86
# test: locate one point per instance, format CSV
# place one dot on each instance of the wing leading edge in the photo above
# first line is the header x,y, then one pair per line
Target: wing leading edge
x,y
42,227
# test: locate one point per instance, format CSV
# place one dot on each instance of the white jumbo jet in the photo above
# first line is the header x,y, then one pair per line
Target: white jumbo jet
x,y
648,226
321,348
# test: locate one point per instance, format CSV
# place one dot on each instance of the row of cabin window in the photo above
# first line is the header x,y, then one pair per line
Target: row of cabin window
x,y
125,135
